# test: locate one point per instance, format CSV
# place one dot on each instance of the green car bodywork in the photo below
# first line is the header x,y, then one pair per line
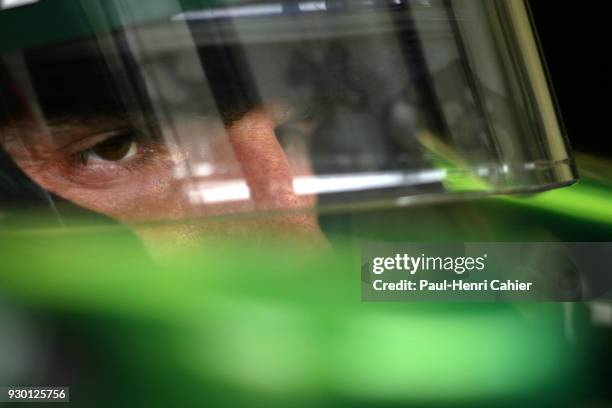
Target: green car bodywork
x,y
265,327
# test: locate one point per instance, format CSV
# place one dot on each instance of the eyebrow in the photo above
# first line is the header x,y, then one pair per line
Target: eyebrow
x,y
69,123
61,131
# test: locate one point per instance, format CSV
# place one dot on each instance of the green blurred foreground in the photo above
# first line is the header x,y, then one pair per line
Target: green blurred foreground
x,y
233,324
277,325
262,328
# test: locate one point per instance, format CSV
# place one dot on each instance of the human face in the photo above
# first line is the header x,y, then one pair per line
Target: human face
x,y
128,172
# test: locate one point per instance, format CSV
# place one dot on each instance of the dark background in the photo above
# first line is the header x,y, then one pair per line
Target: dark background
x,y
575,39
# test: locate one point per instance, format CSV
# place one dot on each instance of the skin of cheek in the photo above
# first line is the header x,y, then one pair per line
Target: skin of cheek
x,y
135,199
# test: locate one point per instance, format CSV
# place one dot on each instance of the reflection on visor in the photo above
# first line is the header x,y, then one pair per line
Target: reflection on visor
x,y
253,106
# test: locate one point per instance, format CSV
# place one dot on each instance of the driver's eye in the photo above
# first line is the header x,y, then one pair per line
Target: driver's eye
x,y
118,148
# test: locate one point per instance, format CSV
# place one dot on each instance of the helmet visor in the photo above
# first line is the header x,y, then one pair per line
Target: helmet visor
x,y
240,106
